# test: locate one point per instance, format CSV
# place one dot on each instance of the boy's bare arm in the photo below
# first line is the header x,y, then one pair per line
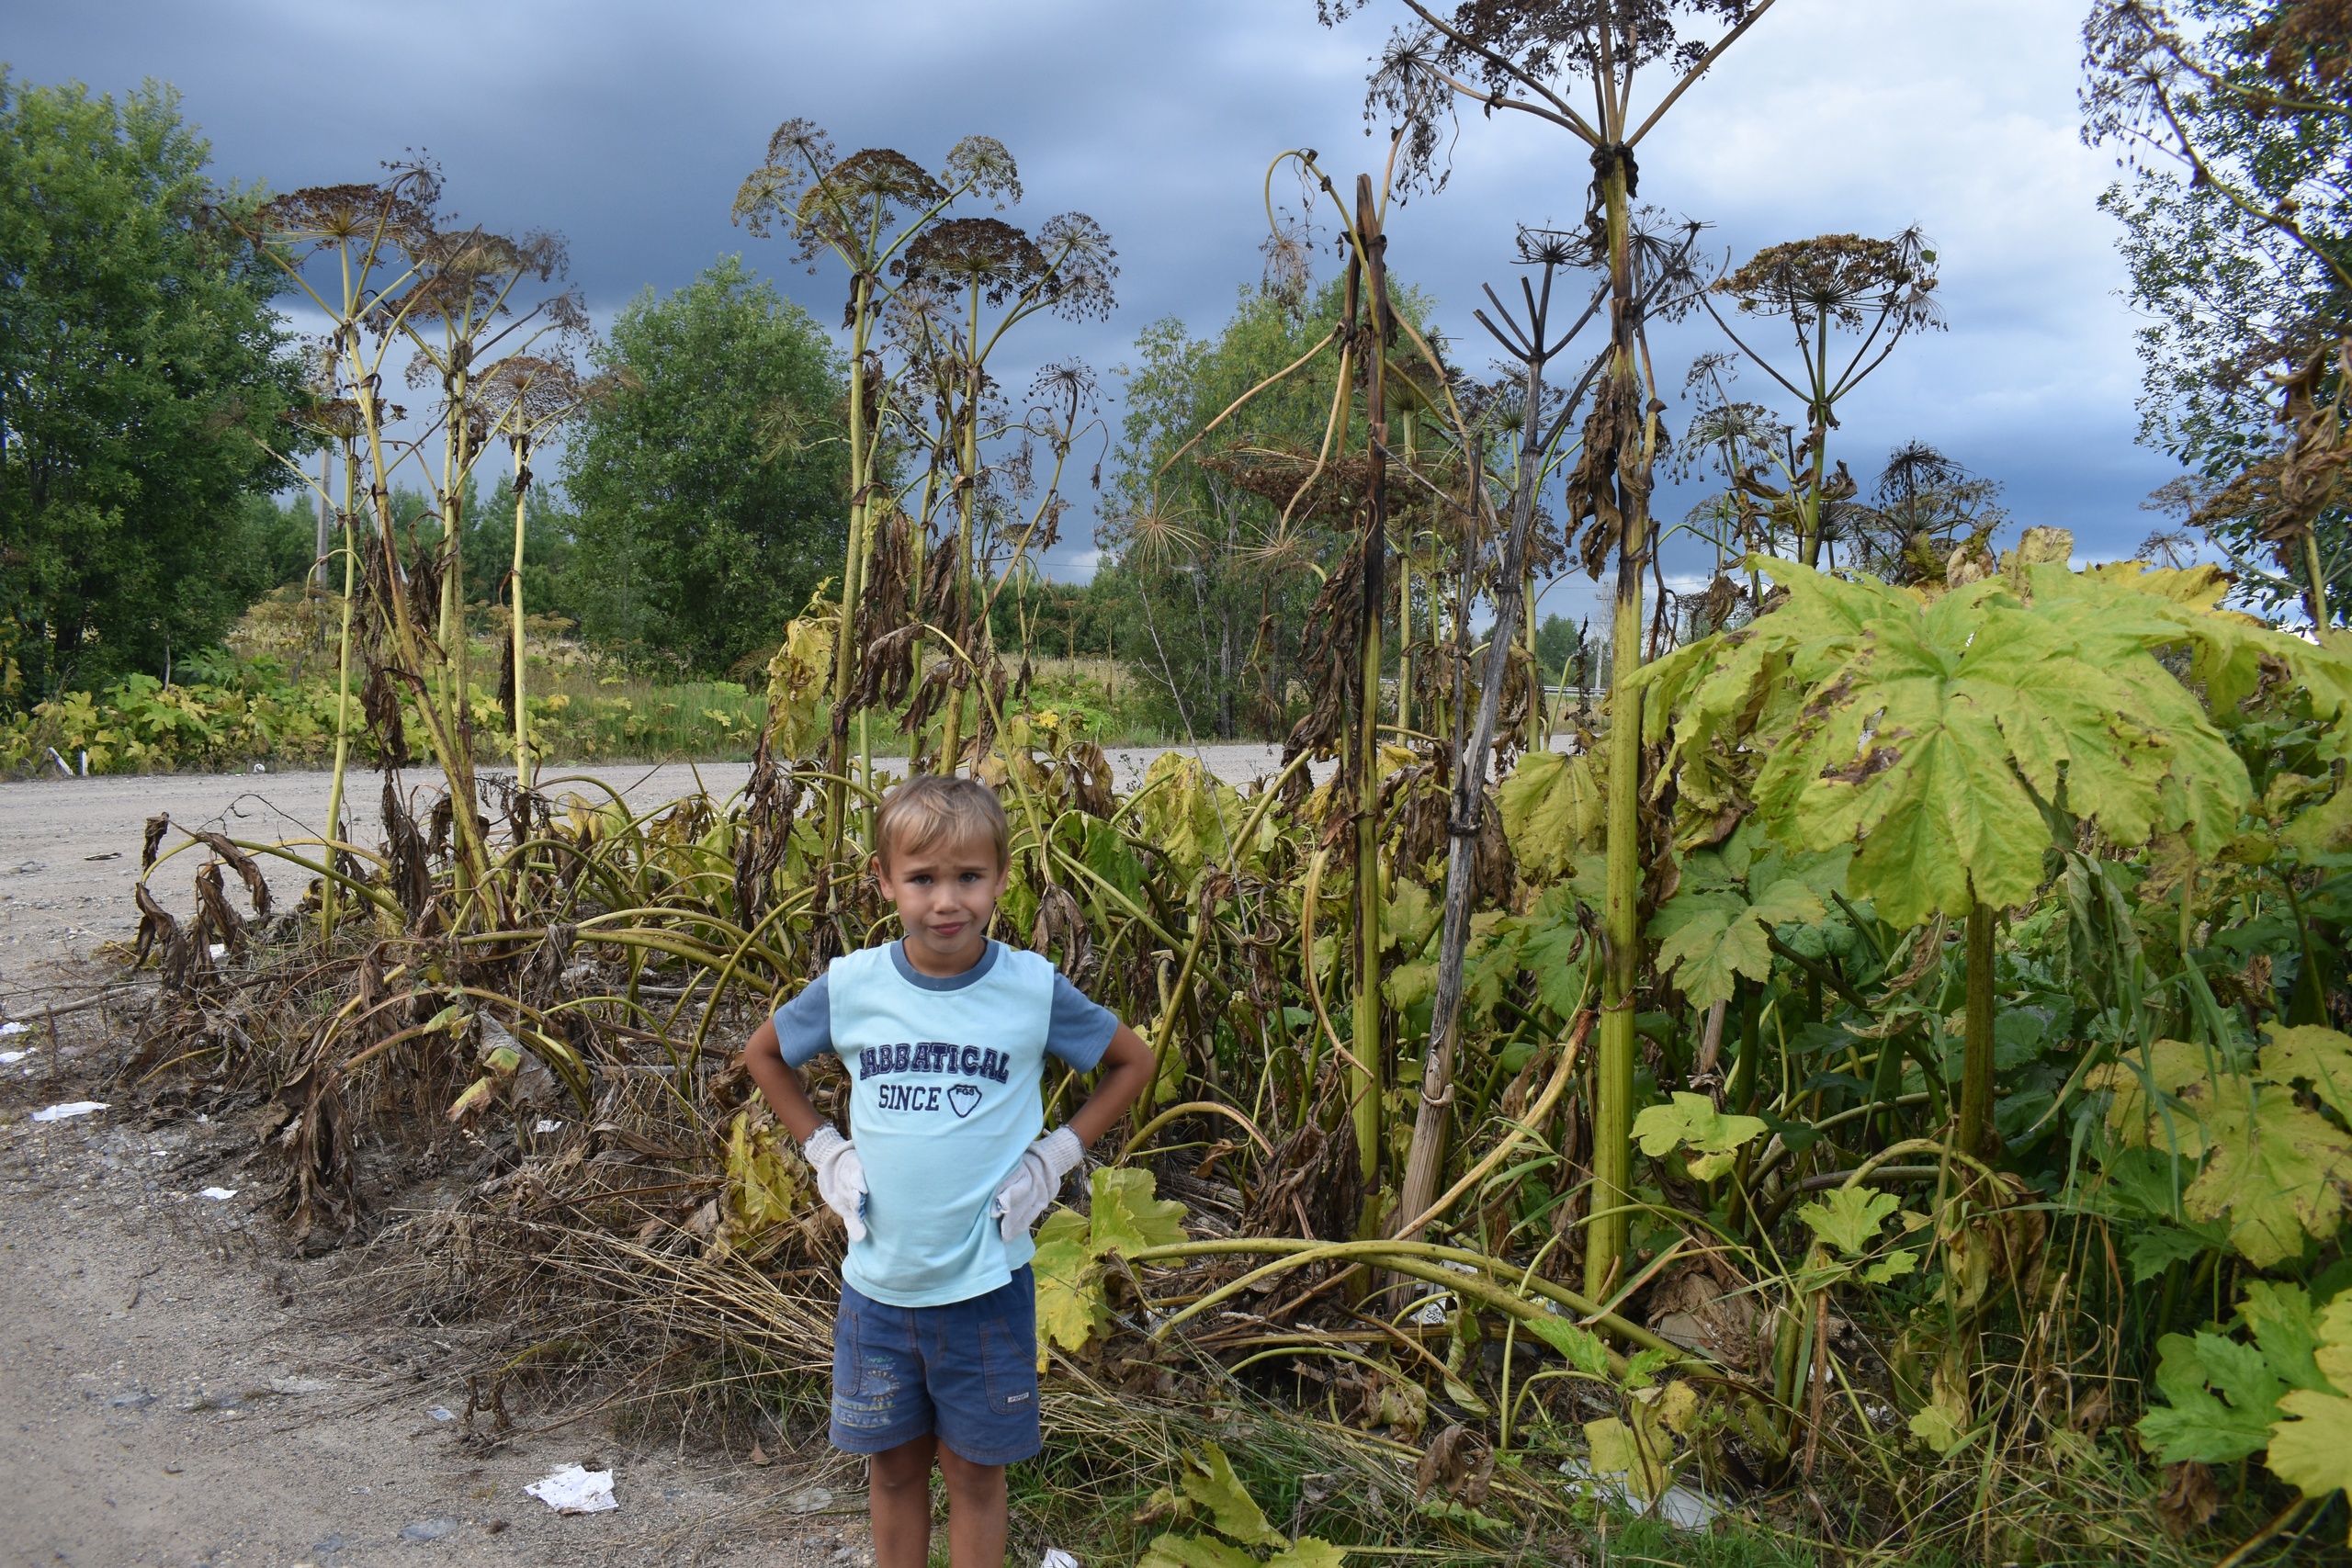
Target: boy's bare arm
x,y
1129,1060
763,1059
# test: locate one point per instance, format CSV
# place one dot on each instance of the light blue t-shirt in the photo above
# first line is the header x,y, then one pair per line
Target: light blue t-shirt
x,y
944,1079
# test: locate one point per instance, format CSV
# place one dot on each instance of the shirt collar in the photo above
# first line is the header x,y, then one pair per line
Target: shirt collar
x,y
921,981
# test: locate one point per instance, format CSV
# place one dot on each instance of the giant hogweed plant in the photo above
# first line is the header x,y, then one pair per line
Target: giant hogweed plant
x,y
1934,754
1575,65
1947,737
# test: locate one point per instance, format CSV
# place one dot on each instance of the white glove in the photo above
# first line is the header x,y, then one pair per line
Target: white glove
x,y
1035,1181
840,1177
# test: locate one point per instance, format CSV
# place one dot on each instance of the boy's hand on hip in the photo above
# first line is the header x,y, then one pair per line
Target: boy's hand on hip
x,y
1034,1183
840,1177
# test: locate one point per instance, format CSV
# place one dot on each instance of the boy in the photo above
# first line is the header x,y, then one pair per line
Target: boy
x,y
944,1035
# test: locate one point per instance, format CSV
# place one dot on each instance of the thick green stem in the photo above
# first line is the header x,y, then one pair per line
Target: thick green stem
x,y
1809,547
1369,1074
967,469
2314,580
845,649
455,662
1612,1088
342,696
1976,1061
522,712
1539,716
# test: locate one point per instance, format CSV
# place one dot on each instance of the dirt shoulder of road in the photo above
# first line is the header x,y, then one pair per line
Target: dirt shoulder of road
x,y
179,1387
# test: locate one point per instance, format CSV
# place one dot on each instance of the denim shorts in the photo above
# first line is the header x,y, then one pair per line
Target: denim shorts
x,y
967,1371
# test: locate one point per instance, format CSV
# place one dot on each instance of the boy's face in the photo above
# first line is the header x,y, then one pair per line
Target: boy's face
x,y
945,893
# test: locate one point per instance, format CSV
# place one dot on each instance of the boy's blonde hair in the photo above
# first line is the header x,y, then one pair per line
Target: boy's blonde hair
x,y
927,809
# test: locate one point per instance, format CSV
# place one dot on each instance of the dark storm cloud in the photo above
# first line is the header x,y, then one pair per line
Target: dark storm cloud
x,y
626,128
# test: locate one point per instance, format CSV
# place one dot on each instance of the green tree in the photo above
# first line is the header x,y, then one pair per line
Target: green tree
x,y
1217,586
549,585
2238,228
1558,642
274,545
707,487
138,362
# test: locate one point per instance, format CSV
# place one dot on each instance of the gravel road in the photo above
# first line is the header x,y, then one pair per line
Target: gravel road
x,y
69,847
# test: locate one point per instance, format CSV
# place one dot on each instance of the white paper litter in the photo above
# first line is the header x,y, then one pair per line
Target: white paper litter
x,y
442,1413
10,1058
219,1194
547,1126
1056,1558
220,949
573,1490
1684,1507
16,1028
71,1107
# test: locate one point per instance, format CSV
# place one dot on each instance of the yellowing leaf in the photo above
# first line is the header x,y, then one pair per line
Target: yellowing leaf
x,y
1896,1264
1067,1269
1712,1167
2333,1359
1678,1407
1409,918
2274,1172
1459,1393
768,1187
1931,734
1933,1425
798,676
1583,1347
1944,1422
1308,1552
1617,1450
476,1095
1410,983
1208,1480
1553,807
1692,1119
1127,1218
1400,1405
2308,1054
1186,811
1069,1295
2138,1113
1848,1218
2313,1448
2322,829
2310,1447
1194,1552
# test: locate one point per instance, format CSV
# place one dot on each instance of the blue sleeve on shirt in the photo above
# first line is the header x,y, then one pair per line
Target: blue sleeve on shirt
x,y
1080,1029
804,1026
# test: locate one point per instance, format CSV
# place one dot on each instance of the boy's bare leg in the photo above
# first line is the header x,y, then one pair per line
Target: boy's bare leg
x,y
976,1511
898,1487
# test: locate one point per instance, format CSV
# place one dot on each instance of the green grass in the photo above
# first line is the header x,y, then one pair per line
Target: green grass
x,y
270,698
